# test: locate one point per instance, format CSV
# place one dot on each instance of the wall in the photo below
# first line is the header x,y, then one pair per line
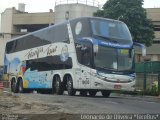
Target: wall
x,y
33,18
75,10
3,39
153,14
6,20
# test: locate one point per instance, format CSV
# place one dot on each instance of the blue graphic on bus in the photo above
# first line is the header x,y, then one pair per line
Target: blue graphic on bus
x,y
36,79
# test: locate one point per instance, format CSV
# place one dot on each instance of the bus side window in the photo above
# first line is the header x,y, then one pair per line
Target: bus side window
x,y
10,47
86,57
83,54
79,53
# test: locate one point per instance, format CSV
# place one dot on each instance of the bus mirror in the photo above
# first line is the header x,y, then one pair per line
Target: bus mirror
x,y
95,48
144,51
143,47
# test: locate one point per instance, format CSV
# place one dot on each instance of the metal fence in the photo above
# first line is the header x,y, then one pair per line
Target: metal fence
x,y
148,67
148,75
151,79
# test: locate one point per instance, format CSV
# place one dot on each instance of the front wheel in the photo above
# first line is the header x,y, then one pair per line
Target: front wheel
x,y
106,93
69,86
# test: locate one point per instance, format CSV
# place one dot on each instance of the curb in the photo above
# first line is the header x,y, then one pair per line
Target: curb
x,y
145,98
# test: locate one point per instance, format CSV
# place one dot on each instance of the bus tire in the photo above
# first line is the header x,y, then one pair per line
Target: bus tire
x,y
14,86
83,93
58,86
69,86
20,86
106,93
92,93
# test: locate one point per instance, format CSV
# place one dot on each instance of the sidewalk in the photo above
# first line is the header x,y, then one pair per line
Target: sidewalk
x,y
140,97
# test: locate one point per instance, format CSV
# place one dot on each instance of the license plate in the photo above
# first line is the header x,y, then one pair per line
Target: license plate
x,y
124,51
117,87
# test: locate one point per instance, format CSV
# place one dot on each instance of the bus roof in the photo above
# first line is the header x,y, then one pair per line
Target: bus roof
x,y
64,22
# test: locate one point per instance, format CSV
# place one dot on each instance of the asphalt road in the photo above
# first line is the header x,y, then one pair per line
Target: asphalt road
x,y
98,105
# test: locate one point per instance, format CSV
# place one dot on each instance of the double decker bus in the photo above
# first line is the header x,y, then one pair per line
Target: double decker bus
x,y
86,54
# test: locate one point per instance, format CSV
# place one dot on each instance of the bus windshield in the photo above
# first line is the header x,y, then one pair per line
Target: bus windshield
x,y
113,30
114,59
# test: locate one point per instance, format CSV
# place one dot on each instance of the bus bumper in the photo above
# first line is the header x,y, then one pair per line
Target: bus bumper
x,y
103,85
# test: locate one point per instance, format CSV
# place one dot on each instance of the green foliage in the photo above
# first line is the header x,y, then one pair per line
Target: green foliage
x,y
133,14
150,91
153,91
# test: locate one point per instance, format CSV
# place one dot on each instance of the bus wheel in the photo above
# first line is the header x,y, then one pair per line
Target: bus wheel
x,y
83,93
69,86
58,86
20,86
92,93
106,93
14,86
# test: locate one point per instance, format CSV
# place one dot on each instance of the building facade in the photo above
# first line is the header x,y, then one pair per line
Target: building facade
x,y
153,52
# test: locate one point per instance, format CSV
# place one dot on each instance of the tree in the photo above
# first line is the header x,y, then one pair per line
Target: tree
x,y
134,15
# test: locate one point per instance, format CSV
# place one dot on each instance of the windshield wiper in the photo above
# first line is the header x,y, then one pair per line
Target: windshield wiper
x,y
111,70
106,68
106,38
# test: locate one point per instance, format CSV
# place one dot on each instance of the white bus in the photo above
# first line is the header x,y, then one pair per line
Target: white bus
x,y
86,54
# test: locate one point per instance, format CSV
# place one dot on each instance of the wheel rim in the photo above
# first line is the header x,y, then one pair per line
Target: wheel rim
x,y
13,86
20,86
69,85
57,85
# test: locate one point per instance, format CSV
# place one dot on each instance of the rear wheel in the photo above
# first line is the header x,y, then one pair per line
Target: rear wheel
x,y
20,86
58,86
92,93
69,86
106,93
14,86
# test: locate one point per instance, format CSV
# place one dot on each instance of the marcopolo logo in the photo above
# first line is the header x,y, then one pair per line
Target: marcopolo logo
x,y
64,54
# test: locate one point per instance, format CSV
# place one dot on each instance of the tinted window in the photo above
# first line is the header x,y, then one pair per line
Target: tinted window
x,y
111,30
84,53
114,59
49,35
80,28
10,47
29,42
49,63
57,33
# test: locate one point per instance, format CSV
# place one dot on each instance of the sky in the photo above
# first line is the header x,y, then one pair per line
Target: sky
x,y
45,5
